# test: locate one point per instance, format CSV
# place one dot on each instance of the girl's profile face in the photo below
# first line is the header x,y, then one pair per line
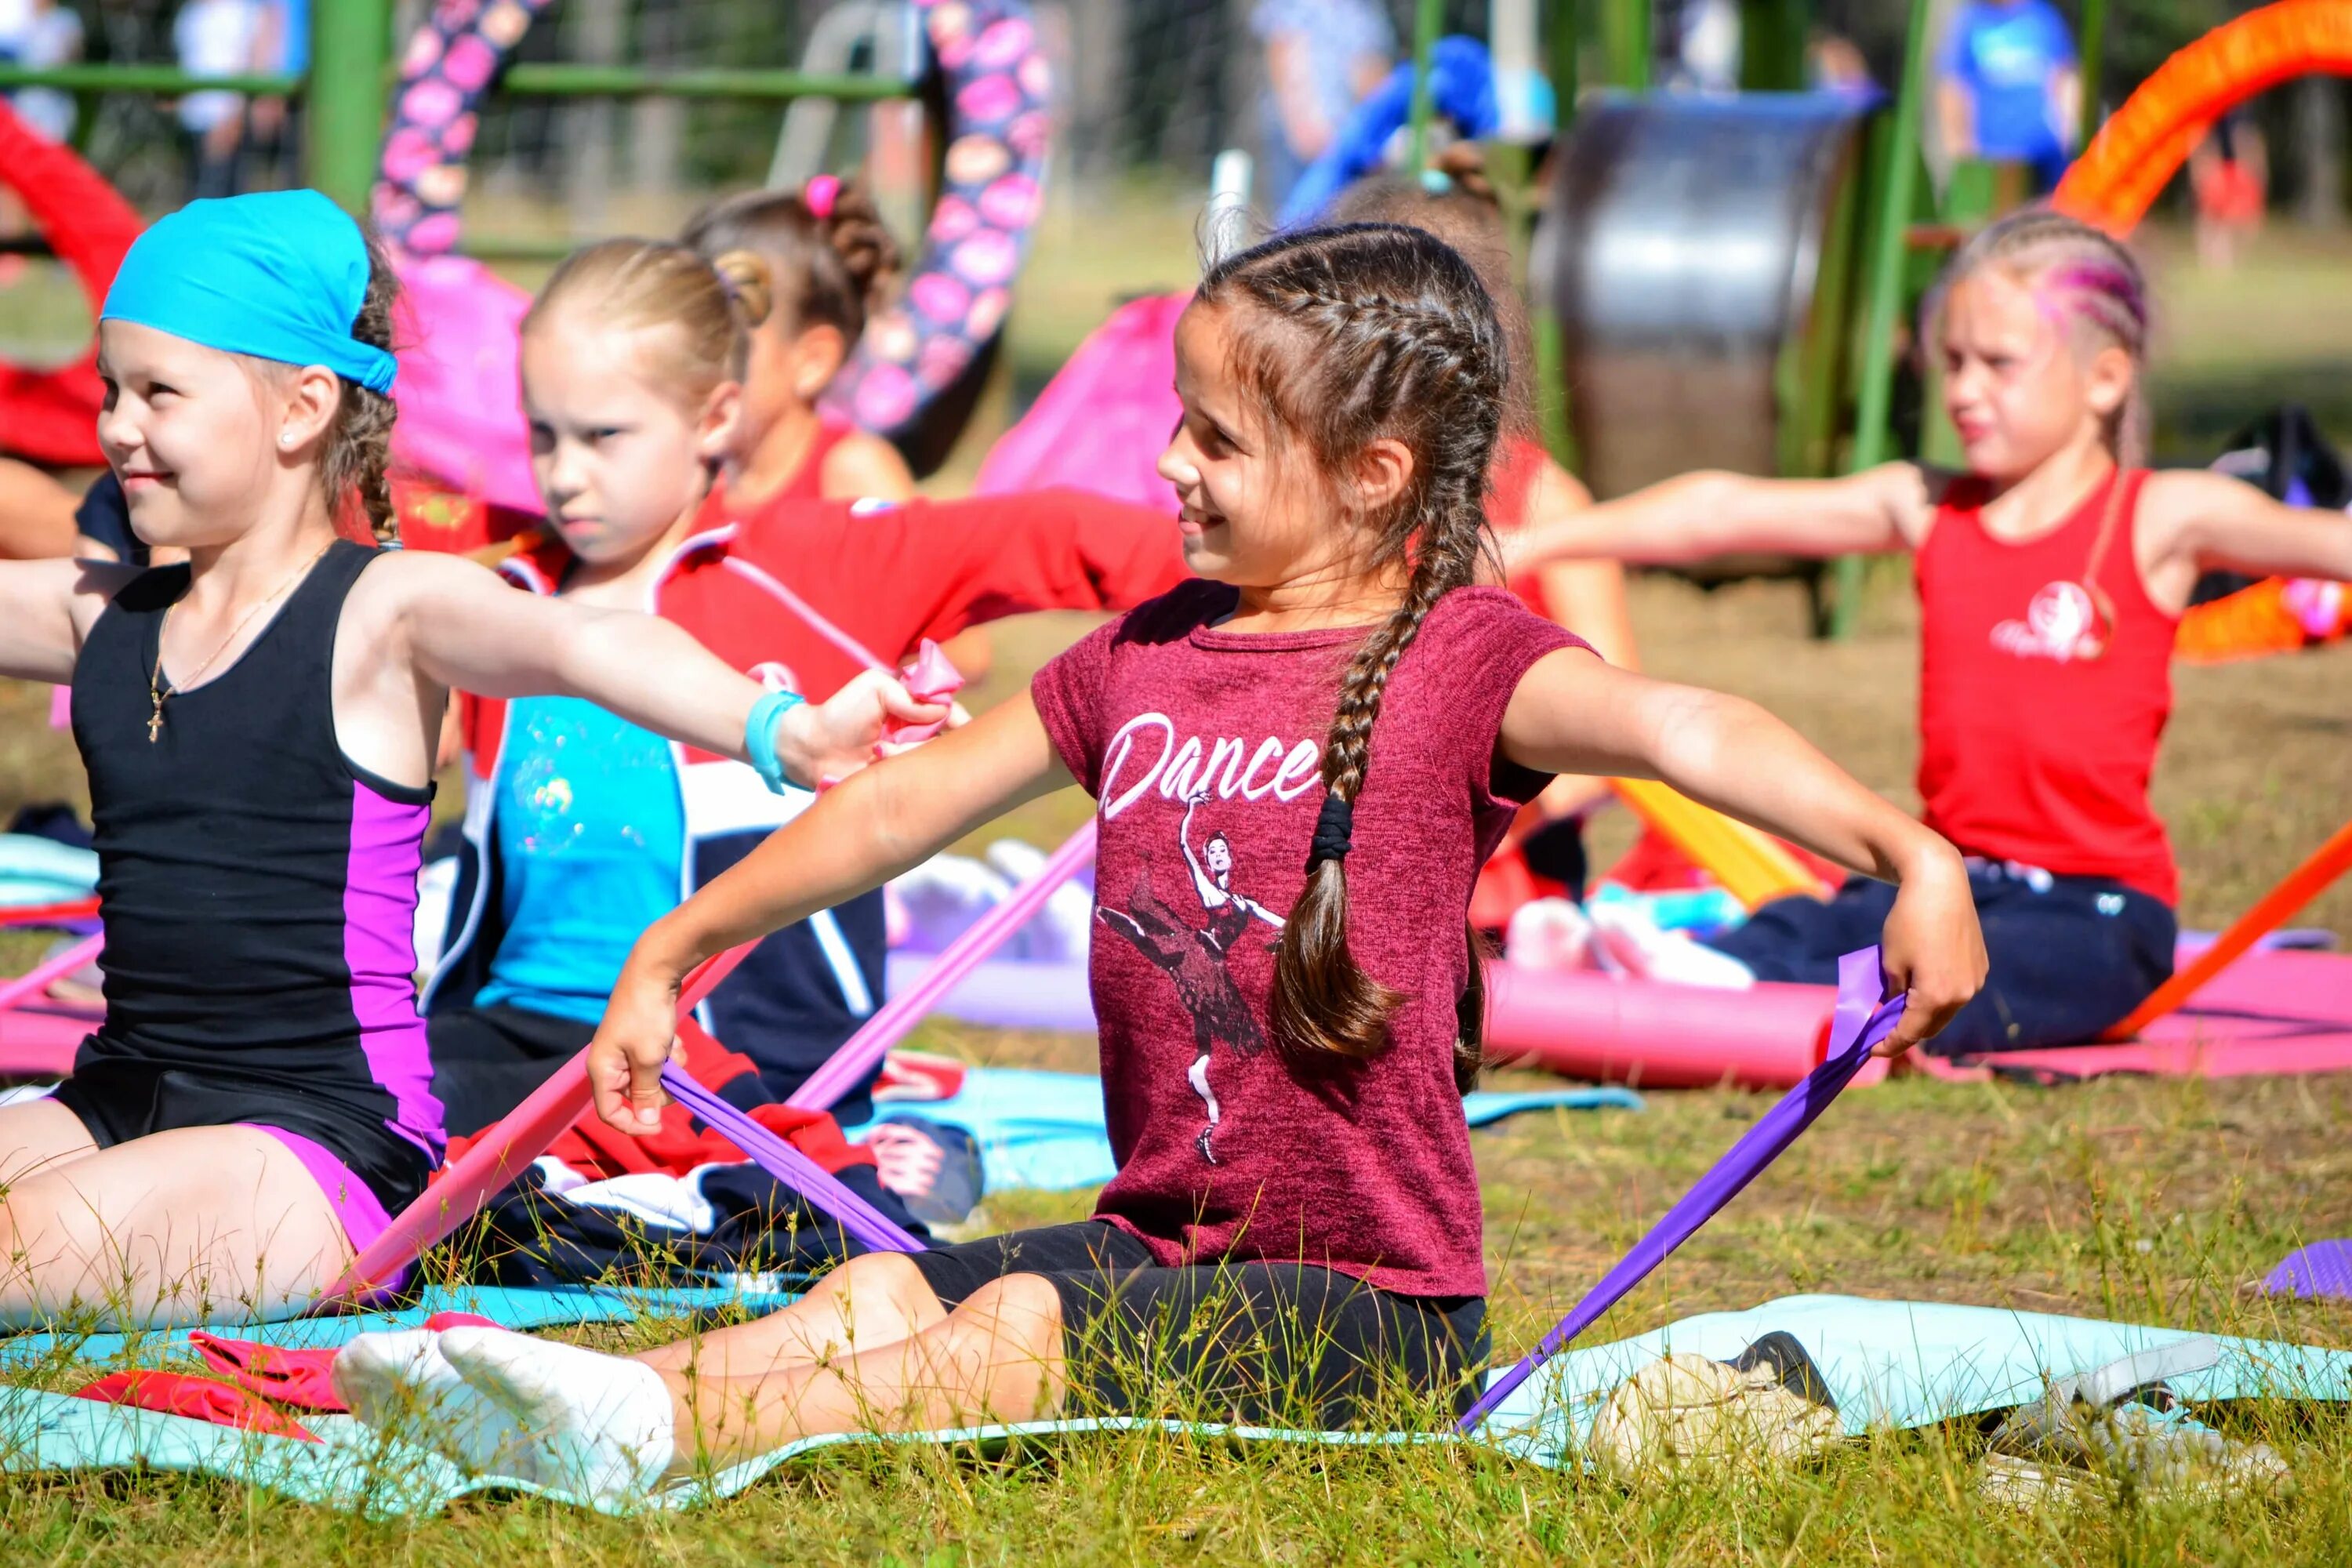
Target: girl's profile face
x,y
2017,385
190,431
1257,511
619,458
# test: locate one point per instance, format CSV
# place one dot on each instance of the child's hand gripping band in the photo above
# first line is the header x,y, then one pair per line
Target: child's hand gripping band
x,y
760,737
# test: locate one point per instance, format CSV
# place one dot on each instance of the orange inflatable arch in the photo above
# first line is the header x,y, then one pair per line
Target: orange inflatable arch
x,y
2138,150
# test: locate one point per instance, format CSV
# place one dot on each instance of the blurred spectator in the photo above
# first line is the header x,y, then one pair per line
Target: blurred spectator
x,y
284,45
1322,57
1706,48
1835,63
217,38
40,33
2228,173
2009,90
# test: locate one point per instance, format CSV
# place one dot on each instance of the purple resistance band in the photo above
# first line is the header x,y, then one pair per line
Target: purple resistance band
x,y
795,1170
1860,1023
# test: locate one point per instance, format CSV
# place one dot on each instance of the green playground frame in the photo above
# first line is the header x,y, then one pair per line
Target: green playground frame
x,y
348,88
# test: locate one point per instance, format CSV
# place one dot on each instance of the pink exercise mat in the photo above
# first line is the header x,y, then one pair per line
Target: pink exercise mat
x,y
2273,1012
41,1042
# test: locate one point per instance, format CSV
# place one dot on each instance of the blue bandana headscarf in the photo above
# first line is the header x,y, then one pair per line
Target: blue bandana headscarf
x,y
280,275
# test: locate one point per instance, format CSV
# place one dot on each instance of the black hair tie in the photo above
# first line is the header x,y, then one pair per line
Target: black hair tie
x,y
1335,828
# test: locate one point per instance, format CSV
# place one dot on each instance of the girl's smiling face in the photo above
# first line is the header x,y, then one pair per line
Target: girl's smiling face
x,y
619,458
199,437
1256,509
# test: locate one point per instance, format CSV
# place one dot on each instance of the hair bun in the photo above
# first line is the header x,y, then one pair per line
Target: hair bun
x,y
750,283
855,229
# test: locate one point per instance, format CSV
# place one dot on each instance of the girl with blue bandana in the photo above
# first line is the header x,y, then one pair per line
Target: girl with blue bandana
x,y
259,726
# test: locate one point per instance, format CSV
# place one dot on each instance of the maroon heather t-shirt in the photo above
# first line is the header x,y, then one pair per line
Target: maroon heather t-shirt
x,y
1204,751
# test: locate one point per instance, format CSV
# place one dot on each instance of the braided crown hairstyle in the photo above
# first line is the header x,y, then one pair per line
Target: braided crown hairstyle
x,y
2087,281
1345,335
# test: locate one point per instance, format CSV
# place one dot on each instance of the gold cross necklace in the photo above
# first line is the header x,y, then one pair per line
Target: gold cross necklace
x,y
158,688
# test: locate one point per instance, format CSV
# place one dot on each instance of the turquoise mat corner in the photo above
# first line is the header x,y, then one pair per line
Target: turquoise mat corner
x,y
1046,1131
1888,1363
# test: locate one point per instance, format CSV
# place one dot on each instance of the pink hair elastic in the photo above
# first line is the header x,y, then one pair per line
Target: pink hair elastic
x,y
820,194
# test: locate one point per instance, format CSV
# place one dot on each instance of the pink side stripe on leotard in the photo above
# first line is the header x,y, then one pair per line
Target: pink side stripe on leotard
x,y
380,951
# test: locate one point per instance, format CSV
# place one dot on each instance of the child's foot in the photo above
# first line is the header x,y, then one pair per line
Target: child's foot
x,y
598,1427
400,1382
1627,934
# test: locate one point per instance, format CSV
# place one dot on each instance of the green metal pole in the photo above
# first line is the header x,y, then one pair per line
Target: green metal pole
x,y
1552,421
1872,436
1428,19
351,58
2094,51
1773,45
1564,49
1625,43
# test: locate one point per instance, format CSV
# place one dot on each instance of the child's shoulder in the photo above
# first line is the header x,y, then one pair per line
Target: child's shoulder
x,y
1174,614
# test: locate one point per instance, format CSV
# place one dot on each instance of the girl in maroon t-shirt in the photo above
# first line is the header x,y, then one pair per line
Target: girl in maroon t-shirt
x,y
1295,1226
2051,576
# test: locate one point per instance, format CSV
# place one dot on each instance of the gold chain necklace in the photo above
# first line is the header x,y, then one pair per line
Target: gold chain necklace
x,y
157,689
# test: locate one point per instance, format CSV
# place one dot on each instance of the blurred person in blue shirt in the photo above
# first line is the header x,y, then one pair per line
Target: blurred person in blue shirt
x,y
1322,57
2009,87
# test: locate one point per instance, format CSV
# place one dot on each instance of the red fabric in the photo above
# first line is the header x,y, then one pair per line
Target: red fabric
x,y
2029,750
918,1076
297,1377
432,517
51,416
198,1398
807,482
596,1151
1518,464
1369,1169
886,576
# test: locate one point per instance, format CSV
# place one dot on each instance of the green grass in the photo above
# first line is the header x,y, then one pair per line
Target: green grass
x,y
2150,1202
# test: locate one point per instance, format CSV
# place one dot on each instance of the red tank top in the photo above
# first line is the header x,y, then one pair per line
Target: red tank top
x,y
807,482
1511,485
2041,705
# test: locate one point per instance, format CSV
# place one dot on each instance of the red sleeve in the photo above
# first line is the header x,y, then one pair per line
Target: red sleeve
x,y
1068,692
1048,549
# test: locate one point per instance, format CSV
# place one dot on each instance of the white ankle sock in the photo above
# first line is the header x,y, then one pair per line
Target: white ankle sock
x,y
596,1425
400,1382
1627,934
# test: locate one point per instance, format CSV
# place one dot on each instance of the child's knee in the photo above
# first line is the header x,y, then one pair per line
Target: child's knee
x,y
1025,1305
888,1277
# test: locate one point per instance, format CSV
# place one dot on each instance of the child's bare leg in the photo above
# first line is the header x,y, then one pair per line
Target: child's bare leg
x,y
178,1228
39,1135
870,1301
997,1357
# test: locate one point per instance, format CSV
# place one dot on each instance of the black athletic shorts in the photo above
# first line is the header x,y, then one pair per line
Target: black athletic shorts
x,y
1251,1343
487,1061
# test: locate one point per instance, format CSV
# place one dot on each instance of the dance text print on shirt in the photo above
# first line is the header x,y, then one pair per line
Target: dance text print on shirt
x,y
1196,957
2061,624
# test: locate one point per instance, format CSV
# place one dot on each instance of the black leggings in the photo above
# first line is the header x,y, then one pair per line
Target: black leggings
x,y
1252,1343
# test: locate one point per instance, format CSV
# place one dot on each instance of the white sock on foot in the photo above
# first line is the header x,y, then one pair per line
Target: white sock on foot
x,y
400,1382
597,1425
1627,933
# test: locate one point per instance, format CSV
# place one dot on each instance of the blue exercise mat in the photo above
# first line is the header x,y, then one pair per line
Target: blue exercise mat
x,y
511,1308
1887,1364
1046,1131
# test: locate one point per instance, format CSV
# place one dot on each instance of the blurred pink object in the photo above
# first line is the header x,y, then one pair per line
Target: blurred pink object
x,y
1102,421
931,676
459,388
61,707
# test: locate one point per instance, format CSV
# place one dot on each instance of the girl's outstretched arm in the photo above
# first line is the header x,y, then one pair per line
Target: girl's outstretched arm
x,y
880,823
472,632
1573,714
46,608
1695,516
2192,522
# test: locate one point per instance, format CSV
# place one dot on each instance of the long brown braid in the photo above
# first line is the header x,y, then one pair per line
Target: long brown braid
x,y
1346,335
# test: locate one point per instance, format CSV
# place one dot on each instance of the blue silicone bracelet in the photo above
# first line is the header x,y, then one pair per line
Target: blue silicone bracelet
x,y
760,736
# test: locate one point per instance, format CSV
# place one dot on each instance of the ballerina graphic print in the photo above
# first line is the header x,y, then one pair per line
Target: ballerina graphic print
x,y
1194,958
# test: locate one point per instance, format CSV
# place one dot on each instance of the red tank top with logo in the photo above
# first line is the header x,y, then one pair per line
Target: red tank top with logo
x,y
2045,682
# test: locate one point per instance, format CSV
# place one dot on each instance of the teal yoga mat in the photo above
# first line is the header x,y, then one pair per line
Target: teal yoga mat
x,y
1887,1364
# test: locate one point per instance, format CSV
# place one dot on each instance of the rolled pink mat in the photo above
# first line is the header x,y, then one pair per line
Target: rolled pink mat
x,y
1585,1025
38,979
41,1044
896,1019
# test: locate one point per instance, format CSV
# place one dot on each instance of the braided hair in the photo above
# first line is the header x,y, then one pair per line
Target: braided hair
x,y
1345,335
2087,279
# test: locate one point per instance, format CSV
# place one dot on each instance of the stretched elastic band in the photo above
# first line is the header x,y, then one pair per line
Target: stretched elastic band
x,y
760,736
